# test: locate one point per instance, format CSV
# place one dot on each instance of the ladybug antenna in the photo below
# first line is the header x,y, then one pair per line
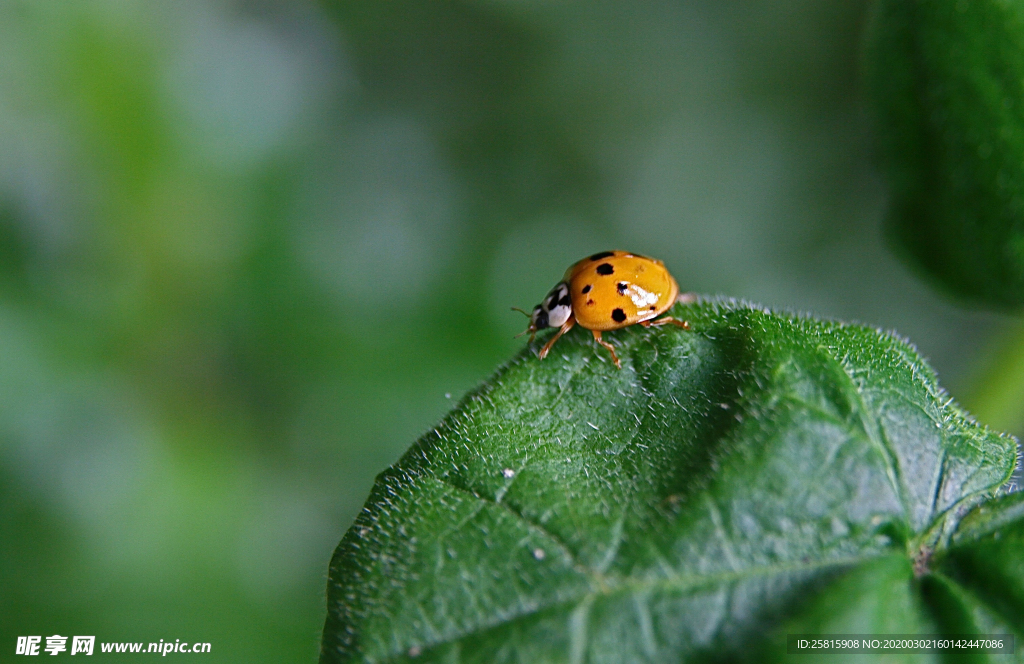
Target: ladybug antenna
x,y
531,329
533,333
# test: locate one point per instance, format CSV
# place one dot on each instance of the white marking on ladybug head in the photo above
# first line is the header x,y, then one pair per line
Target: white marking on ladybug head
x,y
557,306
558,316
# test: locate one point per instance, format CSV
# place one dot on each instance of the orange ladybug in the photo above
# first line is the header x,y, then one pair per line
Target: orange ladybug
x,y
607,291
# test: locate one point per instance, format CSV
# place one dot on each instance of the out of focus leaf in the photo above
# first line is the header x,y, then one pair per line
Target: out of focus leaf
x,y
756,475
987,561
947,77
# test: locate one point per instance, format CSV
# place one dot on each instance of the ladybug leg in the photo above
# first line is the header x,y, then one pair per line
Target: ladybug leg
x,y
611,349
566,326
666,320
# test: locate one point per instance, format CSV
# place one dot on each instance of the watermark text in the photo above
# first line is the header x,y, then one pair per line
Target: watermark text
x,y
86,645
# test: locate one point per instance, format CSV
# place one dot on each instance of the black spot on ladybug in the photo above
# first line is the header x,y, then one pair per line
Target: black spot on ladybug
x,y
590,303
621,287
652,307
618,315
603,254
605,269
586,289
566,301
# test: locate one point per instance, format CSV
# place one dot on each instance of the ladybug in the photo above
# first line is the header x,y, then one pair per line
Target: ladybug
x,y
607,291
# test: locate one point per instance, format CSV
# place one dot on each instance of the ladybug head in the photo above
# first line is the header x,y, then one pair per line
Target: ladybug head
x,y
553,311
539,319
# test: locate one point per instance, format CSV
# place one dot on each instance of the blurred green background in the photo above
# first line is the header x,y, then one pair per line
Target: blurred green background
x,y
249,251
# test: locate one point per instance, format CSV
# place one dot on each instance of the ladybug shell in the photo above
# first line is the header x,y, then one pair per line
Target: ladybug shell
x,y
615,289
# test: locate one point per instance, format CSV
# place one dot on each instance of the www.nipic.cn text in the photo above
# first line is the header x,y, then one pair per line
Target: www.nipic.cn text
x,y
85,645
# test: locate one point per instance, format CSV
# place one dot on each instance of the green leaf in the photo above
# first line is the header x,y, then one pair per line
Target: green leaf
x,y
990,568
757,474
947,78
